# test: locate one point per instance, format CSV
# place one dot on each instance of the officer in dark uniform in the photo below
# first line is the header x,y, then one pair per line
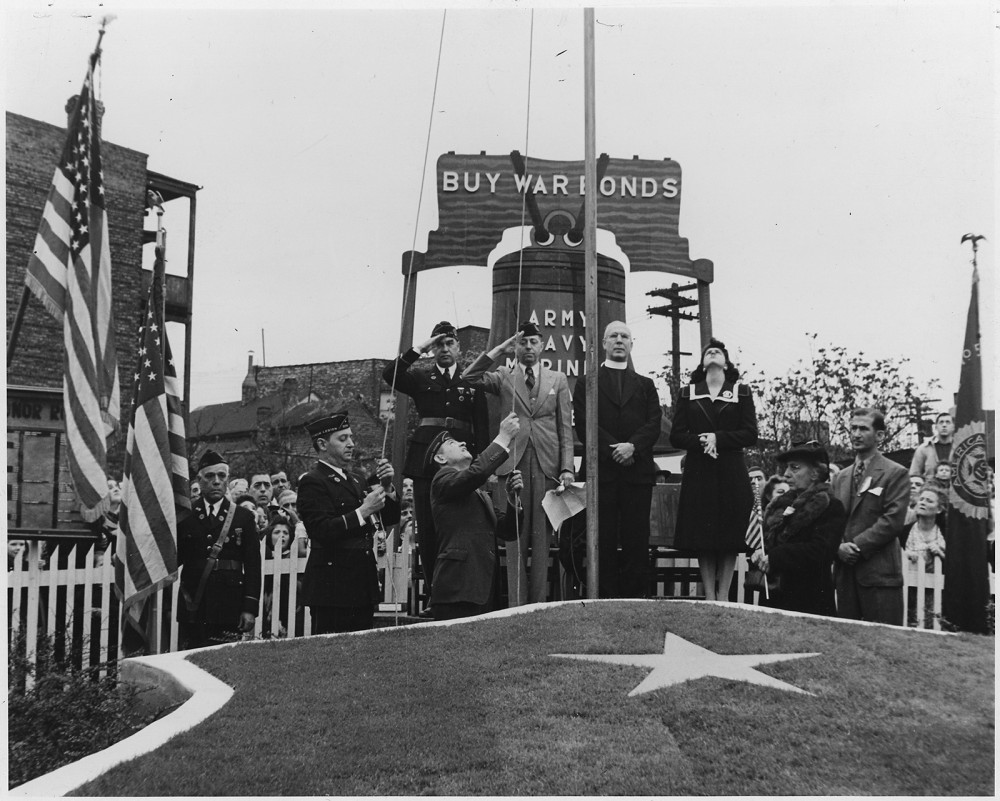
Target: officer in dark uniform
x,y
341,579
220,575
445,402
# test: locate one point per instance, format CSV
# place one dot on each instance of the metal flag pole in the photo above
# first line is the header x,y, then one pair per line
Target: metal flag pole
x,y
590,299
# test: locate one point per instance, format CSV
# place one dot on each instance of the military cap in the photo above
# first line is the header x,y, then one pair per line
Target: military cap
x,y
432,449
444,327
209,458
324,426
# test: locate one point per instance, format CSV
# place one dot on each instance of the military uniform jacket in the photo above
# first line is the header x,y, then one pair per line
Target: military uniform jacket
x,y
460,399
234,586
341,570
467,527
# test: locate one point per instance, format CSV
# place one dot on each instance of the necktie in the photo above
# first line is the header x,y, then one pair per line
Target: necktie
x,y
529,378
447,377
859,471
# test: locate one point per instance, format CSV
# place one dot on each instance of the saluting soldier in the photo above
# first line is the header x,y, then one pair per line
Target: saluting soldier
x,y
341,578
219,554
445,402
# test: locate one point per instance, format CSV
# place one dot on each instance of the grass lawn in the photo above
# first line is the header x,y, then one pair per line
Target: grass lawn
x,y
484,709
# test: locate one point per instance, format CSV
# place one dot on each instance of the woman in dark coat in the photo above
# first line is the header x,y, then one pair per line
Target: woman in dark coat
x,y
714,420
802,529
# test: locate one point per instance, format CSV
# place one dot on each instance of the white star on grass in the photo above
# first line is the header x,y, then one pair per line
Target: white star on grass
x,y
684,661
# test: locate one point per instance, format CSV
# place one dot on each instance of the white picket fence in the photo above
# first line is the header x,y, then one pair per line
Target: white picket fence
x,y
80,607
81,603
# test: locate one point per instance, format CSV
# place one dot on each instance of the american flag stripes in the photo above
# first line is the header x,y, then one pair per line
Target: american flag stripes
x,y
70,273
155,487
754,537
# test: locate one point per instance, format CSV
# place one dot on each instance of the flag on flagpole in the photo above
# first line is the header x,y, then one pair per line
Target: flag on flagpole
x,y
155,486
966,587
70,273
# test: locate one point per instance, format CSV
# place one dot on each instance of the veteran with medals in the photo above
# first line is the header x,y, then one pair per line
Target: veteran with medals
x,y
341,586
445,402
219,555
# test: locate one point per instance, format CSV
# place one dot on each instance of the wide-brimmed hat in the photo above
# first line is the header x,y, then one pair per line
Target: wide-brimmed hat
x,y
810,451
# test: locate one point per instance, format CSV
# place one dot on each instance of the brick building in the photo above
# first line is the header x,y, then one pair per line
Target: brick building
x,y
39,492
265,429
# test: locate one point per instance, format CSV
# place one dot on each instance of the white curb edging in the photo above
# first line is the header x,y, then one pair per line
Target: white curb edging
x,y
208,694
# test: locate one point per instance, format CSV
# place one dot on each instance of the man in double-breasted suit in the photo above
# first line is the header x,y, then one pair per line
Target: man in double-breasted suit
x,y
542,450
445,402
465,576
220,563
340,586
868,573
628,425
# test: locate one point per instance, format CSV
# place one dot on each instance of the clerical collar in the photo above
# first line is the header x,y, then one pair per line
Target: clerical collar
x,y
615,365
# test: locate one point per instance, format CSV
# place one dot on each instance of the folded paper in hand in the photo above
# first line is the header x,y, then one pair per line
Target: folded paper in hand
x,y
560,506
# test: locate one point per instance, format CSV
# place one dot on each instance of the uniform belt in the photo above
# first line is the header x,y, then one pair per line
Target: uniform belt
x,y
446,422
229,564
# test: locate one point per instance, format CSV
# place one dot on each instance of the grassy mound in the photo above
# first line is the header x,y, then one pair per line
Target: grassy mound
x,y
484,709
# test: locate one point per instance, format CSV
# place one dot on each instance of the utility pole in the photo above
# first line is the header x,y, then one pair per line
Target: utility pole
x,y
673,311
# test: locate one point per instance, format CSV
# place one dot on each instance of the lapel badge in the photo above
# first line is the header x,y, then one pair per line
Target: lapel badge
x,y
728,394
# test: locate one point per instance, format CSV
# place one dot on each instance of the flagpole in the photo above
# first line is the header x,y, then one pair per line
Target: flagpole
x,y
590,300
22,306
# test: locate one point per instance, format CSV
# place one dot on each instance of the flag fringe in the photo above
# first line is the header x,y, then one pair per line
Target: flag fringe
x,y
43,297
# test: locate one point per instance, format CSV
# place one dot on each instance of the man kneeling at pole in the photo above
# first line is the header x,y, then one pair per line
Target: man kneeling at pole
x,y
465,574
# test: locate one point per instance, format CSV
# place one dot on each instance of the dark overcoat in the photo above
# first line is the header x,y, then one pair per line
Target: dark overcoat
x,y
802,533
632,416
468,526
230,589
458,399
716,497
341,570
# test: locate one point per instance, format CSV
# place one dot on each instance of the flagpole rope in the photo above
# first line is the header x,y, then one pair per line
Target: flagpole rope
x,y
416,225
517,312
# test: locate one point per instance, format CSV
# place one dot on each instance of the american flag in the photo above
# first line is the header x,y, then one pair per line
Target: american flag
x,y
70,273
155,486
754,537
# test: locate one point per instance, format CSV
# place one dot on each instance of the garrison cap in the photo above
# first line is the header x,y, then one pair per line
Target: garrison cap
x,y
324,426
209,458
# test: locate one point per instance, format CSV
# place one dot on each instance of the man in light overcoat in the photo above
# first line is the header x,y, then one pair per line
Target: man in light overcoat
x,y
542,450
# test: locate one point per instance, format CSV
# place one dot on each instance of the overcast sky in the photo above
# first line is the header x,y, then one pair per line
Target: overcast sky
x,y
833,155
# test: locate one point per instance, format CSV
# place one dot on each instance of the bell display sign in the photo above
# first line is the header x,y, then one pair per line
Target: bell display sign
x,y
638,200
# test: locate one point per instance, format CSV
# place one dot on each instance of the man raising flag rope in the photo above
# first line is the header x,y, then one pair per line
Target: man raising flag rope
x,y
966,583
70,273
155,486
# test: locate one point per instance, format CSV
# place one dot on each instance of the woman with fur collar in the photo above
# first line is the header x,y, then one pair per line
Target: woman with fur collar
x,y
802,530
